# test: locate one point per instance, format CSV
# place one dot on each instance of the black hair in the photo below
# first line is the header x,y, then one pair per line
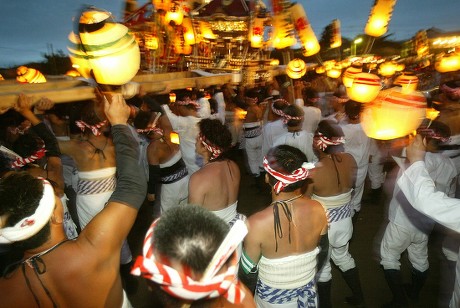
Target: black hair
x,y
142,119
308,94
21,193
217,133
285,159
353,109
331,130
27,144
294,111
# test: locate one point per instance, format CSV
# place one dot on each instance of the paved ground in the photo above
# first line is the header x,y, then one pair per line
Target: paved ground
x,y
364,247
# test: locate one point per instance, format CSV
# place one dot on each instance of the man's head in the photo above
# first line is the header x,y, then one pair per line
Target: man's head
x,y
26,208
329,137
353,110
310,96
286,167
436,134
214,138
293,116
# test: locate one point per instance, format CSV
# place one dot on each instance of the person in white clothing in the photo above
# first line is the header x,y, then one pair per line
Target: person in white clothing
x,y
275,128
420,191
308,101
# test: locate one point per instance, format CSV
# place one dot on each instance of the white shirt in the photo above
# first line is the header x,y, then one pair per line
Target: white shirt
x,y
301,140
271,132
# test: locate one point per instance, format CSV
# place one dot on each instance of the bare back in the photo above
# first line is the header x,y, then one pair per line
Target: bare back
x,y
215,186
308,224
334,175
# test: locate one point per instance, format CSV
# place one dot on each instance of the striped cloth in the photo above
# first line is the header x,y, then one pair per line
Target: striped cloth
x,y
338,213
90,187
304,296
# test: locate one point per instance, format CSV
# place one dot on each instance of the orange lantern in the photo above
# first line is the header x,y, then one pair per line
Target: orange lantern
x,y
174,16
29,75
206,31
320,70
283,31
336,40
189,34
104,50
334,72
407,81
256,32
350,74
448,63
365,87
377,24
275,62
388,68
304,30
296,68
393,114
172,97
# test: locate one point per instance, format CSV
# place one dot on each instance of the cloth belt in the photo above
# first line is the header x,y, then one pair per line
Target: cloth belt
x,y
173,173
252,132
89,187
305,296
339,213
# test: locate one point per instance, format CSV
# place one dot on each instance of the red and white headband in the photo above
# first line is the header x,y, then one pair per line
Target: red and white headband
x,y
323,142
287,118
215,150
211,285
431,133
95,129
31,225
187,101
149,129
21,162
287,179
278,111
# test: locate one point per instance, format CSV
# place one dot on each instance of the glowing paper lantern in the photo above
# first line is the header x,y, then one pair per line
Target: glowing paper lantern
x,y
256,32
304,30
320,70
296,68
206,31
174,15
408,82
161,5
172,97
189,34
432,114
275,62
29,75
72,73
336,40
377,24
350,74
365,87
334,72
448,63
388,68
104,50
393,114
283,31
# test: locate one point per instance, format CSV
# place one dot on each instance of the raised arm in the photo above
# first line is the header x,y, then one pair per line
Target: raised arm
x,y
110,227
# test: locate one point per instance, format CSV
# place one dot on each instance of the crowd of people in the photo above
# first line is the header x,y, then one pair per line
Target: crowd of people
x,y
74,176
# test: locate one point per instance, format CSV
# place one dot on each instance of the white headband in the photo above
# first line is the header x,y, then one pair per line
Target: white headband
x,y
29,226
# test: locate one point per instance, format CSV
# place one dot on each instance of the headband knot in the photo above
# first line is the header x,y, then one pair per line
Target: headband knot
x,y
187,101
215,150
284,180
21,162
95,129
323,142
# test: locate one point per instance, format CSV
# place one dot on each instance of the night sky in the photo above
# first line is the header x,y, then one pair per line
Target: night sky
x,y
31,28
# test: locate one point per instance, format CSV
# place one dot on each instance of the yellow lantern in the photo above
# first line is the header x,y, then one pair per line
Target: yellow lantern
x,y
320,69
377,24
400,67
350,74
161,5
448,63
172,97
174,137
256,32
283,32
275,62
189,34
104,50
174,16
393,114
296,68
365,87
334,72
304,30
336,40
73,73
431,114
407,81
206,31
388,68
29,75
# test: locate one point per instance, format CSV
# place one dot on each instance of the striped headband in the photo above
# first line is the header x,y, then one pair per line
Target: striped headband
x,y
180,285
287,118
95,129
29,226
430,133
323,142
149,129
287,179
188,101
278,111
342,100
21,162
215,150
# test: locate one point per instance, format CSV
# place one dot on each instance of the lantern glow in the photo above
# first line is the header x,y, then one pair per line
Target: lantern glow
x,y
350,74
377,24
29,75
365,87
304,30
296,68
174,137
393,114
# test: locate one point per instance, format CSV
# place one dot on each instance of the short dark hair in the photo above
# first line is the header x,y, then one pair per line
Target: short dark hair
x,y
331,130
142,119
294,111
217,133
27,144
285,159
21,193
353,109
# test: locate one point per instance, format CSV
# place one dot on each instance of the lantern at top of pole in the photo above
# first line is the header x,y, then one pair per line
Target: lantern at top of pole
x,y
377,24
103,49
304,30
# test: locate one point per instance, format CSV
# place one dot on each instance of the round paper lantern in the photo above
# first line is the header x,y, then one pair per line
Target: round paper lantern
x,y
365,87
320,70
388,68
256,32
104,50
304,30
377,24
29,75
283,32
350,74
393,114
448,63
296,68
408,82
275,62
174,16
189,34
334,72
